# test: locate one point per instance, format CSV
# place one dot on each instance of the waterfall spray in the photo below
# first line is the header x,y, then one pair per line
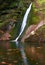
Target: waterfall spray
x,y
24,22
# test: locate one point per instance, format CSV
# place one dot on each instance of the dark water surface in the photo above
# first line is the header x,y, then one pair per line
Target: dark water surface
x,y
10,54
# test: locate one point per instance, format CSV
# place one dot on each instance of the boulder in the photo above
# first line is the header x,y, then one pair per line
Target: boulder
x,y
35,33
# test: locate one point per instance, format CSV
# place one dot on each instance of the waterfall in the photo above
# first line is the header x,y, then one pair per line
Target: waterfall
x,y
21,31
24,22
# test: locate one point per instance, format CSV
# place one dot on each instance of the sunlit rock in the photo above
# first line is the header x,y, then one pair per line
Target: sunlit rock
x,y
3,62
34,33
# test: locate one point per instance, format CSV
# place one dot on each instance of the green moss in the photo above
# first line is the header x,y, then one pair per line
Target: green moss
x,y
16,10
33,18
2,24
40,2
15,31
41,28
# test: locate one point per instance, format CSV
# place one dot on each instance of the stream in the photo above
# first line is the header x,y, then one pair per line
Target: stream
x,y
11,55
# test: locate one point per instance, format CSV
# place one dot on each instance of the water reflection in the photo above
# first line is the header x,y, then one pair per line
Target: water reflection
x,y
36,53
11,55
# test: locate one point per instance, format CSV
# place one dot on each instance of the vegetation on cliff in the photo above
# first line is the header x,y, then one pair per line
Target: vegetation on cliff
x,y
12,13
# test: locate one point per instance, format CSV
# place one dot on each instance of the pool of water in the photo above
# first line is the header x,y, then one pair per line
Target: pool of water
x,y
10,54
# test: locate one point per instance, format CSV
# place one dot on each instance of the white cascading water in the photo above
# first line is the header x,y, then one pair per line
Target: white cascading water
x,y
21,31
24,22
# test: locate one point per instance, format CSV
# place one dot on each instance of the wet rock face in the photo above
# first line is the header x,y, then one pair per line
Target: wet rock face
x,y
36,38
28,31
38,34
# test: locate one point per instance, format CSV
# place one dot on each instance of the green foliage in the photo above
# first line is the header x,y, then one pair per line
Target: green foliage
x,y
41,1
15,9
32,18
